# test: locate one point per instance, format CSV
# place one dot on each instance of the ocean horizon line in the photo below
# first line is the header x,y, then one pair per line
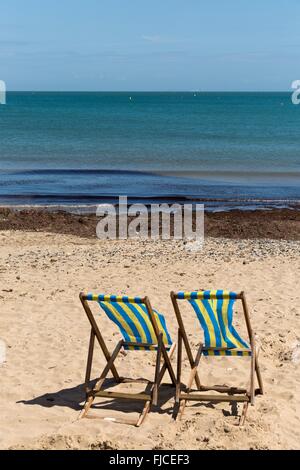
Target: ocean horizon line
x,y
150,91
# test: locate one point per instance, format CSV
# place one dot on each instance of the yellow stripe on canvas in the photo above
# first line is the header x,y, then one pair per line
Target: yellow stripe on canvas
x,y
213,304
161,328
225,320
122,321
134,320
210,327
147,321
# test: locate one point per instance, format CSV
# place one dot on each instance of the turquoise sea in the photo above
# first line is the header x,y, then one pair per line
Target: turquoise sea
x,y
224,149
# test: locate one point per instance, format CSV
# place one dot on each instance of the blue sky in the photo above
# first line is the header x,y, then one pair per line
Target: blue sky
x,y
149,44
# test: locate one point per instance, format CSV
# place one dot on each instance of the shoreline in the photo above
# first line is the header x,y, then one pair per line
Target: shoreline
x,y
276,224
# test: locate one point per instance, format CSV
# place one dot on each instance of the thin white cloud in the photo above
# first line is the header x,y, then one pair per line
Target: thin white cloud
x,y
159,39
13,43
154,38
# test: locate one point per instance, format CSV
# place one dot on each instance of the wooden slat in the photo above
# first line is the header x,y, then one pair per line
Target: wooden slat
x,y
223,389
144,345
198,397
226,349
132,396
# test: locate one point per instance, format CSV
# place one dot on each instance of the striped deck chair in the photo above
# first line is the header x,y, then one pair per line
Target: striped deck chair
x,y
143,329
214,310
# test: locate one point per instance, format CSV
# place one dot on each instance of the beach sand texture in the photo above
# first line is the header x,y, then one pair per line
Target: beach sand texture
x,y
46,333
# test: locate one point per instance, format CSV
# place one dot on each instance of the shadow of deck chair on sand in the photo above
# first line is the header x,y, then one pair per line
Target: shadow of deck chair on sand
x,y
143,329
214,310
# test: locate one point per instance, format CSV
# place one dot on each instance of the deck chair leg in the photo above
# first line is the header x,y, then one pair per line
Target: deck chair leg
x,y
182,404
157,370
86,407
251,392
89,400
89,360
259,377
144,414
179,366
252,372
191,380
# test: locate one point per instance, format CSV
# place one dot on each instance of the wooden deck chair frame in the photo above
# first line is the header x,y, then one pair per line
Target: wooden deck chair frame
x,y
149,397
227,394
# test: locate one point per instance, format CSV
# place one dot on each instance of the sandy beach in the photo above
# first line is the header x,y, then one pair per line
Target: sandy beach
x,y
45,333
